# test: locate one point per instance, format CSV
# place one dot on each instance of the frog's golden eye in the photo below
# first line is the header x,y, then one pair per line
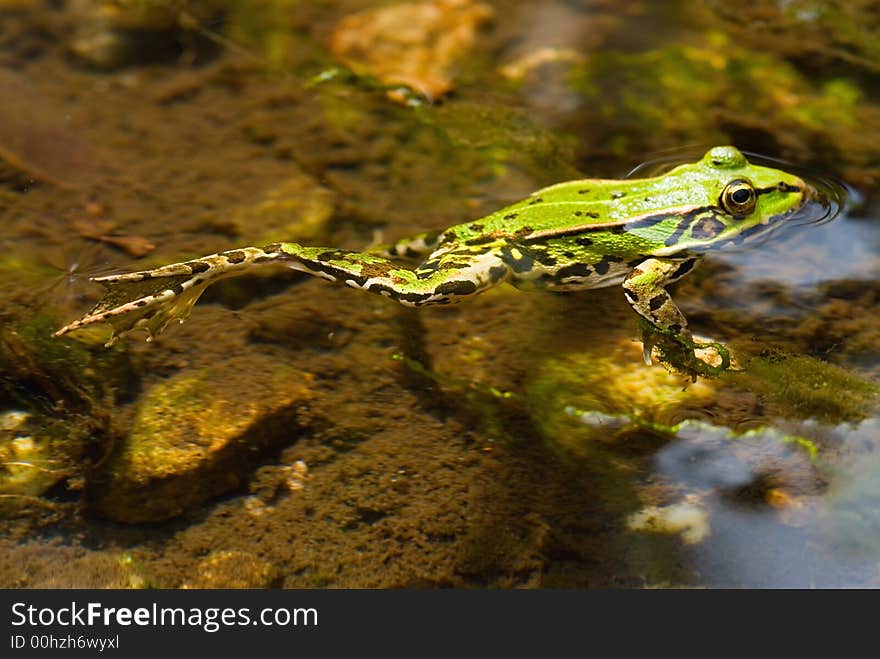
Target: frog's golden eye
x,y
739,198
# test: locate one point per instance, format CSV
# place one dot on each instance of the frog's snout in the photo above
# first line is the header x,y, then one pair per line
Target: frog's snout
x,y
811,194
808,192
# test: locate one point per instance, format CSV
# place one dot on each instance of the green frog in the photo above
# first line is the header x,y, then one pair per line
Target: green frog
x,y
642,233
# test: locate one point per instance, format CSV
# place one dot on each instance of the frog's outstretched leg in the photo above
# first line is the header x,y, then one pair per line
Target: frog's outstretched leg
x,y
151,299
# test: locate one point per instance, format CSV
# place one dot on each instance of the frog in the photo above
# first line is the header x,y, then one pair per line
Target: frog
x,y
643,234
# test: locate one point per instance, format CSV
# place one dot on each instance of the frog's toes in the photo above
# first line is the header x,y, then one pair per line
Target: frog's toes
x,y
134,301
712,353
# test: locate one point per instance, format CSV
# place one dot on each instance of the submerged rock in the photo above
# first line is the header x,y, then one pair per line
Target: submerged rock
x,y
298,208
414,44
233,569
197,435
109,34
687,518
27,463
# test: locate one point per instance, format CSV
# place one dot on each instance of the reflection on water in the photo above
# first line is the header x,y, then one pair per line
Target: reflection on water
x,y
846,249
776,519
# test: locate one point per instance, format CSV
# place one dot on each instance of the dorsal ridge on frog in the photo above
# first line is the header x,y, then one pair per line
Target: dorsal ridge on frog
x,y
589,233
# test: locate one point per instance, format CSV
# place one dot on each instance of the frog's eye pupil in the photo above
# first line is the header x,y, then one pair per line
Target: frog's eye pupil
x,y
741,196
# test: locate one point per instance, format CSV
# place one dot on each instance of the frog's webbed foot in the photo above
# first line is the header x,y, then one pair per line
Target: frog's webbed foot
x,y
151,299
682,353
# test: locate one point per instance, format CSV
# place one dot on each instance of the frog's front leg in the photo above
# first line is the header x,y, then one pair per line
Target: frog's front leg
x,y
150,299
645,289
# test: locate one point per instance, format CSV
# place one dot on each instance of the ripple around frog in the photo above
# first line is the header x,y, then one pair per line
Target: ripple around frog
x,y
833,195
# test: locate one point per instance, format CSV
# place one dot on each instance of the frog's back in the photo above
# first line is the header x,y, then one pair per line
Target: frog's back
x,y
585,204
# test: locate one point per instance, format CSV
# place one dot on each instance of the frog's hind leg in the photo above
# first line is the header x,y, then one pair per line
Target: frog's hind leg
x,y
151,299
444,277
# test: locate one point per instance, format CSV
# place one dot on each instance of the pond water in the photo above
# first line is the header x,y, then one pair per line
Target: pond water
x,y
297,433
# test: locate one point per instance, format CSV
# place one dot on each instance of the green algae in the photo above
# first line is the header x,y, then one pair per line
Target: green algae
x,y
716,90
834,31
803,387
66,393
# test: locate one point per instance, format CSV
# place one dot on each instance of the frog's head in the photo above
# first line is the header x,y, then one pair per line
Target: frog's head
x,y
732,199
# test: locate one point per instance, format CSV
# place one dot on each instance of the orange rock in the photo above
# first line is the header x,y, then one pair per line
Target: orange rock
x,y
413,44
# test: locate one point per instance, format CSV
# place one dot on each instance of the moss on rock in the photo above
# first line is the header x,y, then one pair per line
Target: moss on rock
x,y
198,435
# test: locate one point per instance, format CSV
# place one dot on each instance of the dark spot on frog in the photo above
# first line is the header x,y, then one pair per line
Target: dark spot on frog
x,y
604,264
632,295
544,258
475,227
584,241
707,228
141,303
683,269
333,255
656,302
511,216
522,262
197,266
235,257
417,299
536,200
573,270
427,269
618,195
568,255
481,240
274,247
676,328
497,273
453,265
465,287
584,191
369,270
177,289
